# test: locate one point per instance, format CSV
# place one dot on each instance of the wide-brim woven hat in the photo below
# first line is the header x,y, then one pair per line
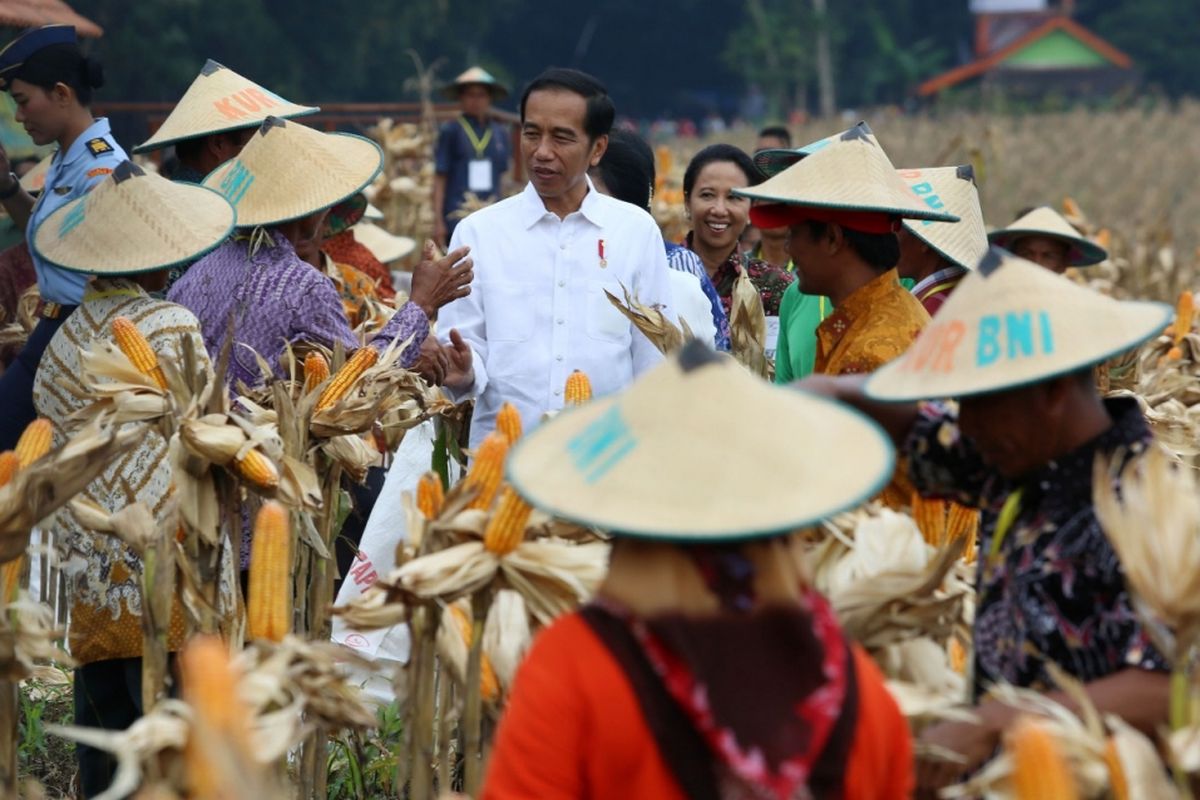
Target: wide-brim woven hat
x,y
1045,221
288,171
134,221
479,76
1011,323
35,179
641,462
850,174
220,100
384,245
774,160
951,188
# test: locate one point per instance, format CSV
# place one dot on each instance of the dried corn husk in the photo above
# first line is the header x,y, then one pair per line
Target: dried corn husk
x,y
748,327
353,454
662,332
28,636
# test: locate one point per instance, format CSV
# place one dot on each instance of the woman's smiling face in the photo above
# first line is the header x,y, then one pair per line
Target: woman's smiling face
x,y
718,216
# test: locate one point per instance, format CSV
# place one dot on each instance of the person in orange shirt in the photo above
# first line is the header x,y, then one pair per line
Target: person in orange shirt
x,y
706,666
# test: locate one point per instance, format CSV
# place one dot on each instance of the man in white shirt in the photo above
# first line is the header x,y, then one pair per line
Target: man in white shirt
x,y
537,310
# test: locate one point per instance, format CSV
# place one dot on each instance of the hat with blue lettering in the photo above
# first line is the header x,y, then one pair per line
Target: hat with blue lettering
x,y
640,462
288,171
18,51
962,243
851,175
1011,323
134,221
220,100
1045,221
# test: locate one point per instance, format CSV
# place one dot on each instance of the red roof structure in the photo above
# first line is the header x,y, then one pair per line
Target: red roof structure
x,y
32,13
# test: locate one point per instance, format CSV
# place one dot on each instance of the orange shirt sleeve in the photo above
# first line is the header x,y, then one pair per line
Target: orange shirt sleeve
x,y
881,761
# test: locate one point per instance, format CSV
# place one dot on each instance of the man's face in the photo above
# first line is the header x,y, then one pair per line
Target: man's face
x,y
554,144
813,259
1045,251
913,253
475,100
1010,428
770,143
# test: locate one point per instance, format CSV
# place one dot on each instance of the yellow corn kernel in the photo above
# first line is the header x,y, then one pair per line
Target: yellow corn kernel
x,y
1040,772
257,470
9,464
316,371
487,470
508,422
135,347
578,389
363,359
958,656
269,595
431,495
506,529
1116,771
930,516
963,522
489,685
10,579
35,442
221,719
1185,312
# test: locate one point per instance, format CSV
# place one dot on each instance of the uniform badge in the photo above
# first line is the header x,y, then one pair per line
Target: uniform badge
x,y
98,171
99,146
600,252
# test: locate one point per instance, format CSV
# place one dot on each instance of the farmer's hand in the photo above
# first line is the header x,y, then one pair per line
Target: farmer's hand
x,y
460,375
433,361
437,282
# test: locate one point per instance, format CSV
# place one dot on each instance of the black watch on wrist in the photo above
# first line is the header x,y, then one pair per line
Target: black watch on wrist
x,y
12,190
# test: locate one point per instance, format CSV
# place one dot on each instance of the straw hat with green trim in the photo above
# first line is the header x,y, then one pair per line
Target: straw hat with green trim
x,y
288,171
220,100
964,242
640,462
1011,323
774,160
477,76
1045,221
134,221
850,174
385,246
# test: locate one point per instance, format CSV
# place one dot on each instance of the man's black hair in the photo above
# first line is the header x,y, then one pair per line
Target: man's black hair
x,y
881,251
627,168
598,120
777,132
720,152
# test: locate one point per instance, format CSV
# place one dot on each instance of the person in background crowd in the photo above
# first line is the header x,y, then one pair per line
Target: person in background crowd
x,y
627,173
341,244
545,258
706,666
472,150
1044,236
772,137
1021,445
51,82
719,216
149,224
938,255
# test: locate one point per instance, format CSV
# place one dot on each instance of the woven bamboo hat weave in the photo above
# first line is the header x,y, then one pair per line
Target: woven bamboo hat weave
x,y
1045,221
1011,323
287,171
134,221
220,100
850,174
384,245
951,188
640,462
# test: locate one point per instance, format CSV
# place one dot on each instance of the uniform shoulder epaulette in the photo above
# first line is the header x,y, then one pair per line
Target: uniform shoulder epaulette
x,y
99,146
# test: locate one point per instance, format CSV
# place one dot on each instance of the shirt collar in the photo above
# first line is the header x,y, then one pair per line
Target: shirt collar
x,y
946,274
99,128
533,209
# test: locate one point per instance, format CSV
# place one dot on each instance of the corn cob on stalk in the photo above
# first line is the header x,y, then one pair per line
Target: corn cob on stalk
x,y
221,729
487,470
930,516
963,522
506,529
268,602
363,359
578,389
257,470
135,347
508,422
9,464
316,370
430,495
35,442
1185,312
1040,772
488,684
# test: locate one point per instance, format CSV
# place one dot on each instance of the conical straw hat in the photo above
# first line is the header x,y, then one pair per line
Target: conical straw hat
x,y
476,75
1011,323
35,179
774,160
134,221
287,171
220,100
384,245
851,174
951,188
640,462
1045,221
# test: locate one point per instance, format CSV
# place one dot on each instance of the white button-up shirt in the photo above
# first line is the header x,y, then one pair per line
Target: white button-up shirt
x,y
537,309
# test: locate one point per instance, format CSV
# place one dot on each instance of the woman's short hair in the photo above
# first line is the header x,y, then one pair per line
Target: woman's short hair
x,y
65,64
